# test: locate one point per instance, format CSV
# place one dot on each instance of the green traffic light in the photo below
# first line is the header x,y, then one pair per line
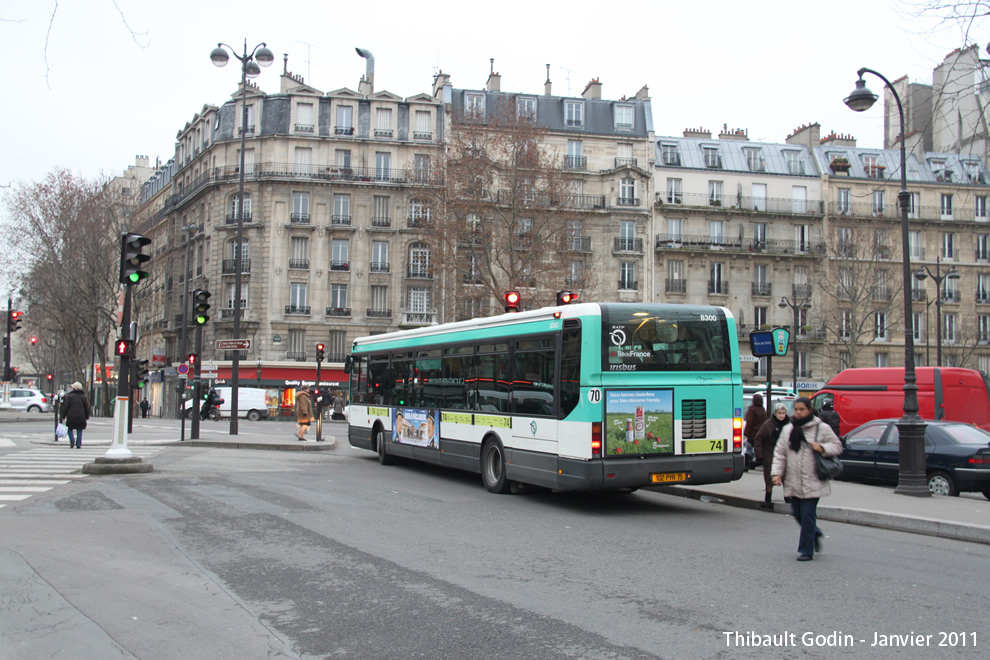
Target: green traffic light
x,y
201,319
134,277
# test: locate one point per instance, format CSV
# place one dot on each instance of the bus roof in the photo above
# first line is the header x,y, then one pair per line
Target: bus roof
x,y
534,317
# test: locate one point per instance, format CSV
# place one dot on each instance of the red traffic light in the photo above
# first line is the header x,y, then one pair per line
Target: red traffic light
x,y
193,358
566,297
49,377
320,347
512,299
124,348
33,340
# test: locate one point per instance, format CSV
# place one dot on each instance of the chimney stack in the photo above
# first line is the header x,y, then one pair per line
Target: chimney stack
x,y
593,90
546,85
494,79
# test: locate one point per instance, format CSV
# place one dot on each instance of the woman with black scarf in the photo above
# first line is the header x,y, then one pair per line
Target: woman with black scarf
x,y
794,468
766,441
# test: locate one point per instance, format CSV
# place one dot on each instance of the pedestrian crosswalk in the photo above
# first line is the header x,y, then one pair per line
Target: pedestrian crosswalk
x,y
38,470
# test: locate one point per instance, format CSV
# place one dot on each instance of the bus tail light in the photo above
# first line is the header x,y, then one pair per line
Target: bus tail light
x,y
737,425
596,439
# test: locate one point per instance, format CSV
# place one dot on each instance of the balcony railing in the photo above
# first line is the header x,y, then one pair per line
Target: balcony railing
x,y
578,244
626,162
227,313
627,201
419,221
719,287
726,202
762,288
676,285
801,291
628,285
575,162
299,264
418,318
340,265
919,295
372,313
705,242
418,272
951,297
381,221
340,220
338,311
422,135
297,309
232,218
298,356
304,128
378,267
343,130
229,266
982,297
299,218
627,245
383,132
572,201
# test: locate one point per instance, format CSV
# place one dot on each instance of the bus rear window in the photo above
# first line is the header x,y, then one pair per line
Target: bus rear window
x,y
688,339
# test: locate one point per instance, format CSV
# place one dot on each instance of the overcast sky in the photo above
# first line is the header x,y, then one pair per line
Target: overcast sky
x,y
121,77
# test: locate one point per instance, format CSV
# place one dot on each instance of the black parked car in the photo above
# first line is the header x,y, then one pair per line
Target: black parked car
x,y
957,456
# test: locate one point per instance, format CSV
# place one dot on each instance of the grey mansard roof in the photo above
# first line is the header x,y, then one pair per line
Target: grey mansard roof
x,y
936,167
734,156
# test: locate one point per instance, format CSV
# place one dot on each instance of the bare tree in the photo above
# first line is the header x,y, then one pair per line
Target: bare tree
x,y
69,229
861,286
508,215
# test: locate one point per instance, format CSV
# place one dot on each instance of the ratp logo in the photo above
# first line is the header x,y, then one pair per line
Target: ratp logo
x,y
532,428
618,337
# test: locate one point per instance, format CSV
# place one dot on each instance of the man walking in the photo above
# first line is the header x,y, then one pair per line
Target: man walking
x,y
304,411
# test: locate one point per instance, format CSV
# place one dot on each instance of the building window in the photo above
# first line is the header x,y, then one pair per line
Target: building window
x,y
715,193
914,200
474,106
627,192
304,118
716,283
716,232
914,245
948,246
338,296
574,113
881,244
981,208
674,191
983,288
340,254
234,206
299,248
418,303
297,295
880,360
381,215
917,326
879,203
627,235
799,199
760,317
420,211
804,370
575,156
983,247
880,330
754,160
674,229
670,155
383,165
379,298
422,130
675,277
383,122
802,238
304,159
760,235
627,275
845,325
844,361
341,210
712,159
379,256
526,107
421,167
342,159
344,122
419,260
575,274
795,163
297,344
983,331
623,117
845,243
300,207
949,328
945,208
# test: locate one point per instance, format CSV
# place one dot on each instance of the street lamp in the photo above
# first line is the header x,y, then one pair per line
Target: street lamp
x,y
938,277
261,55
258,366
783,304
911,476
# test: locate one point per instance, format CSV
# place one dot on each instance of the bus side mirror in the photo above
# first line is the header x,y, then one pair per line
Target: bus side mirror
x,y
348,362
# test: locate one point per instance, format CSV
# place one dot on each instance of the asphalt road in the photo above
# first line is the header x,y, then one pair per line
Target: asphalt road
x,y
225,553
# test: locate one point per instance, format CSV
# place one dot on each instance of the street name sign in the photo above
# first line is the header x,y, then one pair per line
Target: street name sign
x,y
233,344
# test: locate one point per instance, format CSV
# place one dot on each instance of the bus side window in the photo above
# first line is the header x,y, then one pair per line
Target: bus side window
x,y
570,371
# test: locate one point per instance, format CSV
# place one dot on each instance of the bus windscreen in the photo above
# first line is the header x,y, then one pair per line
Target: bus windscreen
x,y
685,339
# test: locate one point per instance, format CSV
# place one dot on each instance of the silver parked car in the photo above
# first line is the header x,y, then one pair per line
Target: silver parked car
x,y
29,400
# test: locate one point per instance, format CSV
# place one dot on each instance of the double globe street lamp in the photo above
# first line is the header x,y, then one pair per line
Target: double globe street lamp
x,y
806,305
938,277
250,68
911,475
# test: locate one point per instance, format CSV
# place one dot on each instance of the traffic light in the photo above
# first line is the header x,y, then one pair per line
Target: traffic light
x,y
132,258
512,301
15,321
34,341
201,305
49,377
139,374
566,297
319,352
124,348
192,359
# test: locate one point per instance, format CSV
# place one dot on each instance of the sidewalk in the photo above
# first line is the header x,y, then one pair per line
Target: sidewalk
x,y
964,518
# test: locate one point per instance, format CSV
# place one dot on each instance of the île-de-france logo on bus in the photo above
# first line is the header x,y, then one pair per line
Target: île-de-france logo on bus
x,y
532,427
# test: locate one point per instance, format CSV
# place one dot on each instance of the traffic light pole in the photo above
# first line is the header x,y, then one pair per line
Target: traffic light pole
x,y
198,385
121,413
318,405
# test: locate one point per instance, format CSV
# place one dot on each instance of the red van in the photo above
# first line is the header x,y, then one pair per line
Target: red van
x,y
944,393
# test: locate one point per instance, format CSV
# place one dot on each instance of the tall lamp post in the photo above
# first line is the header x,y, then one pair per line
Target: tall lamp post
x,y
261,55
938,277
911,476
190,231
783,304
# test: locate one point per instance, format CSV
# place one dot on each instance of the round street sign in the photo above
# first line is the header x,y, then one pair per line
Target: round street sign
x,y
183,369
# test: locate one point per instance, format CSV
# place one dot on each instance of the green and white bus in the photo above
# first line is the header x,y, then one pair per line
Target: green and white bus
x,y
583,397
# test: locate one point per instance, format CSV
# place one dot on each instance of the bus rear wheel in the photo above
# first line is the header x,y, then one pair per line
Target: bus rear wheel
x,y
493,467
383,456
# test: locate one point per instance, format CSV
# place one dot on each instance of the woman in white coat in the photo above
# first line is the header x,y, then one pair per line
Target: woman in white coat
x,y
794,468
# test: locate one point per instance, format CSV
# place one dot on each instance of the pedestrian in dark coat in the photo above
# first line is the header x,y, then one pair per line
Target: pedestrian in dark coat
x,y
74,413
766,441
755,416
794,468
145,405
830,417
304,411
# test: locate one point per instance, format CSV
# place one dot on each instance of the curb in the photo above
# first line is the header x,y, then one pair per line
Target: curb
x,y
302,446
865,517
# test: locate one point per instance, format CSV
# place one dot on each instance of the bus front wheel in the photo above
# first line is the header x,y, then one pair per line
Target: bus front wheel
x,y
493,467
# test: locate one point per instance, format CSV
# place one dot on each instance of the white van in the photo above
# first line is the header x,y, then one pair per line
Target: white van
x,y
252,403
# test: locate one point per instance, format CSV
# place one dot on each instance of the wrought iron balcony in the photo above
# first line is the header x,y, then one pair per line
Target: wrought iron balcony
x,y
343,130
627,245
575,162
298,356
951,297
297,309
419,272
338,311
383,132
762,288
628,285
422,135
919,295
676,285
381,221
719,287
983,297
232,218
227,313
420,221
340,265
418,318
372,313
801,291
299,264
229,266
578,244
304,128
707,242
340,219
378,267
299,218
